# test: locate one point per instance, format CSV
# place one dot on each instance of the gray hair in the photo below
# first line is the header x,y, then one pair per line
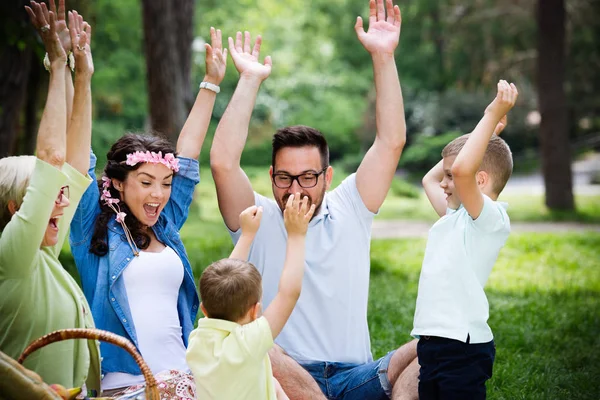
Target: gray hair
x,y
15,173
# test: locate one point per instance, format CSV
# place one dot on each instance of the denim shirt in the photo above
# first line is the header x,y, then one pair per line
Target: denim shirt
x,y
102,279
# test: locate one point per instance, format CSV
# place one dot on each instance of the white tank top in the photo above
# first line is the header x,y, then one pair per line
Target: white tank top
x,y
152,283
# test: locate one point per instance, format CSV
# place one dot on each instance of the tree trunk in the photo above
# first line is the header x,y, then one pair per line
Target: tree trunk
x,y
15,62
164,65
184,35
554,127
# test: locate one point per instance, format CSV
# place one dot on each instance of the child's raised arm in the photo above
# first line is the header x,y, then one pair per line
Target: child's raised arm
x,y
296,216
249,222
431,185
466,165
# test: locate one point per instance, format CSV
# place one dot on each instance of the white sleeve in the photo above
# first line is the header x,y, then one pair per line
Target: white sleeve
x,y
493,217
347,196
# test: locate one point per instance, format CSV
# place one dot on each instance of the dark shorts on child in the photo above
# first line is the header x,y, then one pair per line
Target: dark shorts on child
x,y
451,369
345,381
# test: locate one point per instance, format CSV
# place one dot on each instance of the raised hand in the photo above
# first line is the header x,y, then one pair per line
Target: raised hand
x,y
44,22
384,33
246,61
250,220
504,101
81,37
216,58
61,25
297,215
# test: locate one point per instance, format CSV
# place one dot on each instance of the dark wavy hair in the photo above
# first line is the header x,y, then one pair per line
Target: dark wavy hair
x,y
117,169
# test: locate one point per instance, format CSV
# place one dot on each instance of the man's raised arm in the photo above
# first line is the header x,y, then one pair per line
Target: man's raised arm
x,y
376,171
234,191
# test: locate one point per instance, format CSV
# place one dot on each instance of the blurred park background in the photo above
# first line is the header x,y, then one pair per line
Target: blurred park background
x,y
545,290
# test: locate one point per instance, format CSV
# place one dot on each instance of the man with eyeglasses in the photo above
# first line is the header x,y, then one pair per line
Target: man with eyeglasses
x,y
324,349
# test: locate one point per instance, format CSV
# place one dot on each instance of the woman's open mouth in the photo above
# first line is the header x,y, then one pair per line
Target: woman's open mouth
x,y
54,223
151,209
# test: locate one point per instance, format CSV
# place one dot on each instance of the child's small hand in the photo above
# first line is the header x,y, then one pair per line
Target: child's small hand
x,y
297,215
250,220
504,101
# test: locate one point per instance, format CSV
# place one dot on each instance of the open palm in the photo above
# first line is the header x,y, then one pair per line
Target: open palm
x,y
246,61
384,32
216,58
61,25
81,36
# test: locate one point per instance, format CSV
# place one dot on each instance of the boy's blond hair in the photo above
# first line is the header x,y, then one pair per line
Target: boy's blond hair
x,y
497,160
229,287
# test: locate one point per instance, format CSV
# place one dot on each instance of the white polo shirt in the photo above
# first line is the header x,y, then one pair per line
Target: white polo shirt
x,y
329,322
459,257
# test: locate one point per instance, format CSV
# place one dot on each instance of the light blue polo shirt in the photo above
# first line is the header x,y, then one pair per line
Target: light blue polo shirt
x,y
329,322
459,257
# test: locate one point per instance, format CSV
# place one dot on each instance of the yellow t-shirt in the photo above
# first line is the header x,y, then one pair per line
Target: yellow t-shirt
x,y
231,361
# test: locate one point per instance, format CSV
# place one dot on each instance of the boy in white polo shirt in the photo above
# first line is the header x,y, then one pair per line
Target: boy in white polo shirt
x,y
227,353
456,349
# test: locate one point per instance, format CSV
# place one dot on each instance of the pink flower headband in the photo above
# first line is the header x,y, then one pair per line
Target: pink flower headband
x,y
169,160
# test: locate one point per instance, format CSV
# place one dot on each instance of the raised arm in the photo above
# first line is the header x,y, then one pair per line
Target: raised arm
x,y
65,40
376,171
79,133
249,223
296,216
234,191
22,237
466,165
51,143
431,185
194,130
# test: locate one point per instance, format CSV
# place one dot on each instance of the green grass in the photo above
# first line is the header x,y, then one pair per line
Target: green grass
x,y
544,296
525,208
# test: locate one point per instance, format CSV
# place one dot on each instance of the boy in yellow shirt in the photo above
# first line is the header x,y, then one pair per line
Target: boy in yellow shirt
x,y
228,352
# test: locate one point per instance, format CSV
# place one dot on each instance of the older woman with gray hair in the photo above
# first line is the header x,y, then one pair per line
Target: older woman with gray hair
x,y
38,197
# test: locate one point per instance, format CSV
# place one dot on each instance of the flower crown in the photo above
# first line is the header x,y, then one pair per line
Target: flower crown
x,y
169,160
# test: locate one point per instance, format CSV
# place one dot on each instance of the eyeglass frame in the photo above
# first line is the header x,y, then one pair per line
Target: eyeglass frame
x,y
296,178
64,191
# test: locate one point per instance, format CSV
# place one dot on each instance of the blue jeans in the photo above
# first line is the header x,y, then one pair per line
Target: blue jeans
x,y
453,370
353,381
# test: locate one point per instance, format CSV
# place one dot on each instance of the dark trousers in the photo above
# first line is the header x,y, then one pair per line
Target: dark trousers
x,y
451,369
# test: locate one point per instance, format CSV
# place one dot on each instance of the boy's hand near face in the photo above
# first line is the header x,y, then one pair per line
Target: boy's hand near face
x,y
296,217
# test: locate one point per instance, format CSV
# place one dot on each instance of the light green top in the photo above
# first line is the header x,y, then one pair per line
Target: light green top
x,y
230,361
37,295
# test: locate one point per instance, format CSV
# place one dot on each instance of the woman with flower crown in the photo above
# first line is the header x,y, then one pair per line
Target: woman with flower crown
x,y
125,240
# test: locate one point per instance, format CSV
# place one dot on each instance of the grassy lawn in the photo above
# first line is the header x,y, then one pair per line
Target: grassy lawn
x,y
544,296
521,208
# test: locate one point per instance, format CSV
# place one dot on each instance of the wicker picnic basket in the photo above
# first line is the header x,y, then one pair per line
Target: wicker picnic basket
x,y
17,382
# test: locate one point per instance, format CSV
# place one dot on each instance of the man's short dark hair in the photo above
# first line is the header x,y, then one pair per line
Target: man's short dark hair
x,y
300,136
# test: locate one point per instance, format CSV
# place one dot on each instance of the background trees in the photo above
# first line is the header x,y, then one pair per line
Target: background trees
x,y
149,57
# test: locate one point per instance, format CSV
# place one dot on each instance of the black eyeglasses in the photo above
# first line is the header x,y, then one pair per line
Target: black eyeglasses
x,y
64,191
306,180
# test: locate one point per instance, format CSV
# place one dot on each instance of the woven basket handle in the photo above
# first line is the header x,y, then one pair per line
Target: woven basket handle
x,y
104,336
